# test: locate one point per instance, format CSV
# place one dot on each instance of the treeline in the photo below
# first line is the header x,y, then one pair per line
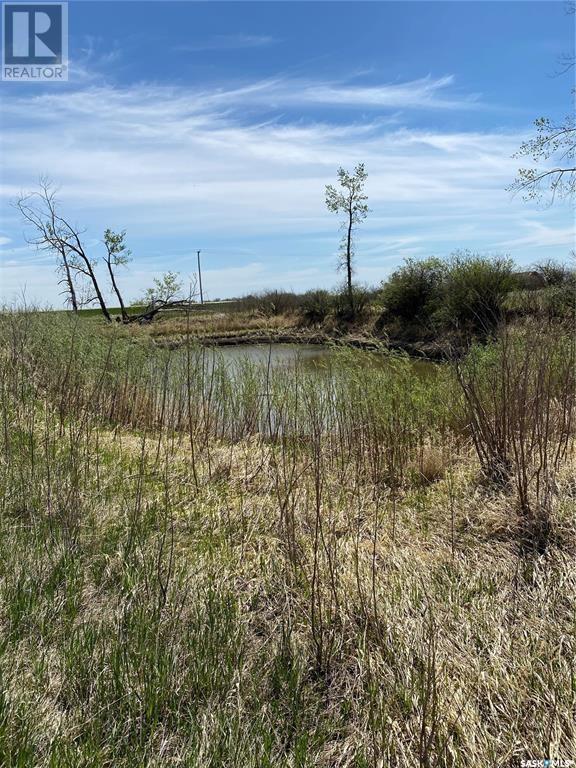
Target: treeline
x,y
467,293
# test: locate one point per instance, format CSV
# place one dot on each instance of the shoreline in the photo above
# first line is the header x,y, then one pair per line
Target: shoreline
x,y
421,350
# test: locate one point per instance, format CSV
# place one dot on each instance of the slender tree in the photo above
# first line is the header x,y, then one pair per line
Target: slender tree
x,y
117,255
350,201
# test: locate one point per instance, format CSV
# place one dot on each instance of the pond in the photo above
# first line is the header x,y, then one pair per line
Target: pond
x,y
310,356
270,388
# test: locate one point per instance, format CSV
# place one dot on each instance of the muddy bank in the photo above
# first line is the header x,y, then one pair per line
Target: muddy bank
x,y
419,349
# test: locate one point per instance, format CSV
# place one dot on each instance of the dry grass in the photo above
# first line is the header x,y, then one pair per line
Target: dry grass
x,y
175,597
214,324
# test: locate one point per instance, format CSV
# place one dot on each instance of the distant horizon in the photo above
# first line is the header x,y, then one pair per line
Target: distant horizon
x,y
193,126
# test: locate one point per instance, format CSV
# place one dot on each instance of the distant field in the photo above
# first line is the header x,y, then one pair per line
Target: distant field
x,y
208,306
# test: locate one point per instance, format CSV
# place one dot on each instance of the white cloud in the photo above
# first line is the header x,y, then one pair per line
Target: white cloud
x,y
178,165
418,94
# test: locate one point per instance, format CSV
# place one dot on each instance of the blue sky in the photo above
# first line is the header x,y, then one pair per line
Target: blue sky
x,y
217,126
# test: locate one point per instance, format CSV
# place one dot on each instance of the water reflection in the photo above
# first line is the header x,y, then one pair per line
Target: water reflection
x,y
310,356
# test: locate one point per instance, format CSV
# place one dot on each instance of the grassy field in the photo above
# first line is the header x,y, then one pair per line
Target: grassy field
x,y
213,566
228,306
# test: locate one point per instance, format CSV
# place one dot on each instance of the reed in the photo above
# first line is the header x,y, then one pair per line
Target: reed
x,y
210,564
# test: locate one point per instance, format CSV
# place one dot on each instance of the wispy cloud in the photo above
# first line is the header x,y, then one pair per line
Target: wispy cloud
x,y
94,62
425,93
542,236
220,167
228,43
152,111
95,50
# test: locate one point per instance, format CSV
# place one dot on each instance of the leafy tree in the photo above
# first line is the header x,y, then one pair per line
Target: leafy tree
x,y
553,154
350,201
552,151
166,289
117,255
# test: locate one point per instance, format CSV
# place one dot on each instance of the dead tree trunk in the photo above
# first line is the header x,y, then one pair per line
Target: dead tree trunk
x,y
55,234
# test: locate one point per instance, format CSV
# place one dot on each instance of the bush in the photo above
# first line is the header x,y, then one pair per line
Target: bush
x,y
561,300
351,312
316,306
466,293
413,292
555,273
554,301
518,399
271,302
474,289
559,296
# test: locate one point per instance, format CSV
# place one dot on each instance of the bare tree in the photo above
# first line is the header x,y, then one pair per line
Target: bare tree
x,y
52,232
39,211
350,201
117,255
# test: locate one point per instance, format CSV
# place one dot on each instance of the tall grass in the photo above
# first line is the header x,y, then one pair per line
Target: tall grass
x,y
519,400
215,565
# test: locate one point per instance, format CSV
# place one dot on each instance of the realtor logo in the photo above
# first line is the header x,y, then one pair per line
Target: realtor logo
x,y
35,42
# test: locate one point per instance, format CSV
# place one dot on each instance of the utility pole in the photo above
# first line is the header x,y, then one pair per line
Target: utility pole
x,y
200,278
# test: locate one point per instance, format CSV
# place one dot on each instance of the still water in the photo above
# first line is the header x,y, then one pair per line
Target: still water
x,y
241,394
310,356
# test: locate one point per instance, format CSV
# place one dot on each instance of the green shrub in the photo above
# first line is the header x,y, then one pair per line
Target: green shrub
x,y
474,289
316,306
466,293
413,291
559,296
561,300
